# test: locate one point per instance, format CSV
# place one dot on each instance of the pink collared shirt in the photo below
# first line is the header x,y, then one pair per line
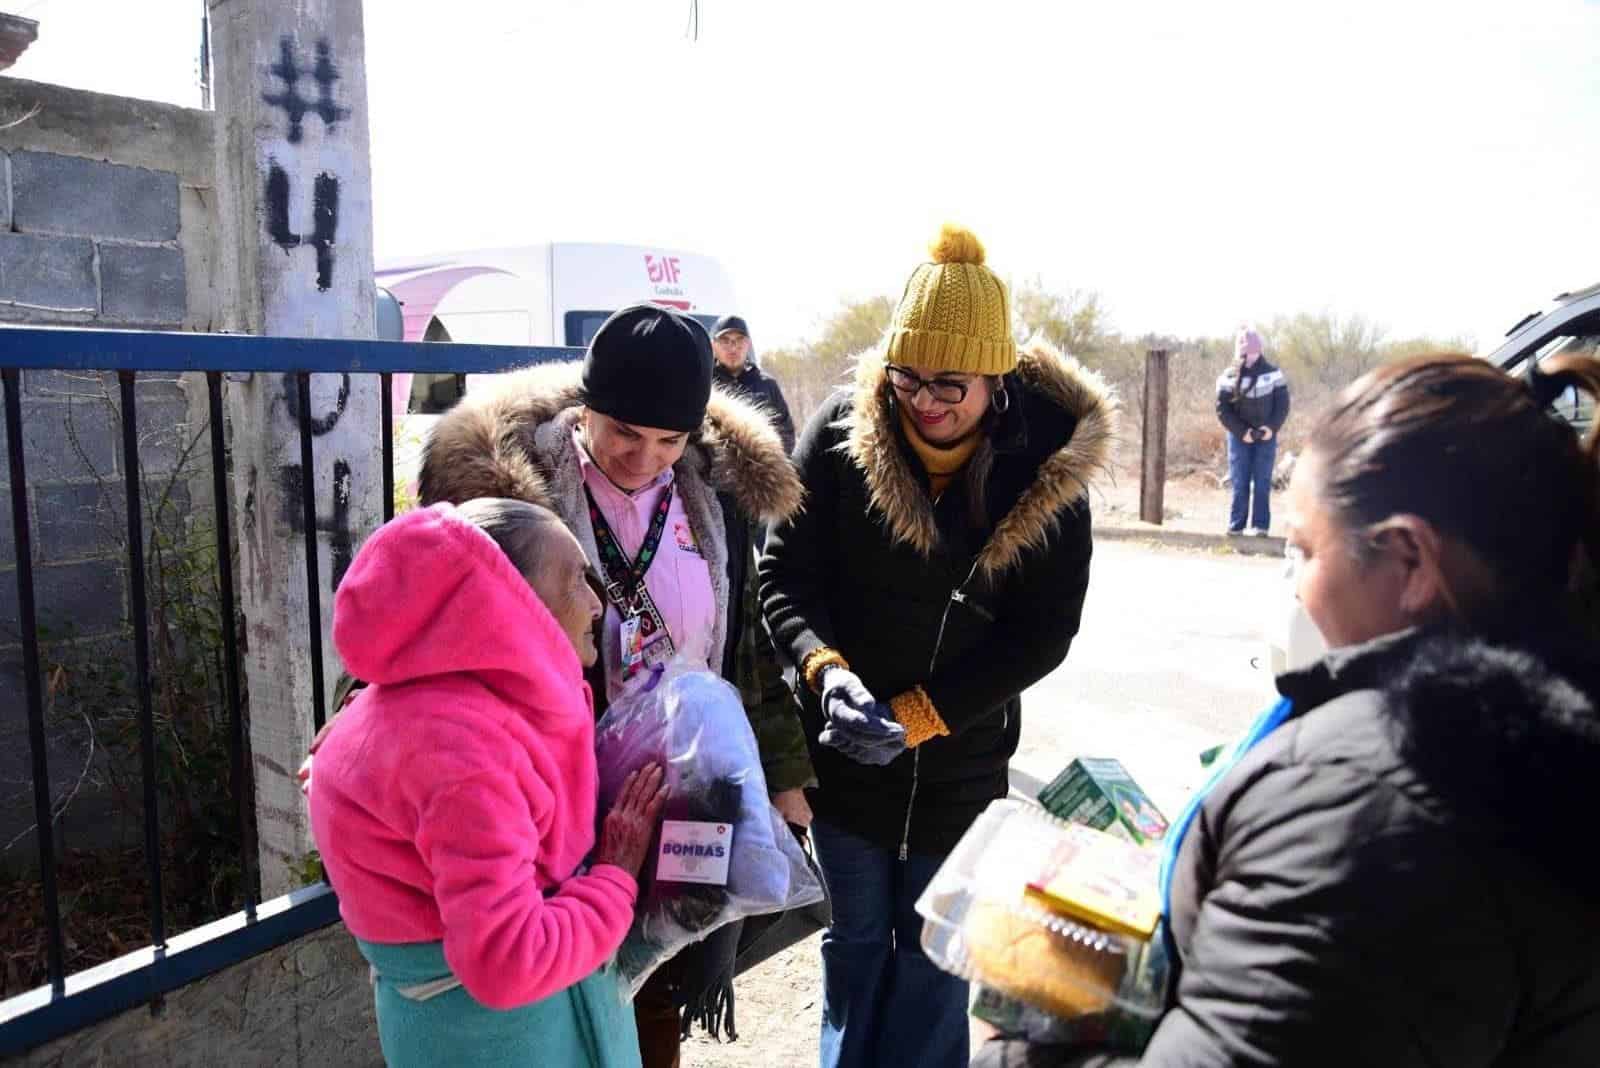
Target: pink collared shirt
x,y
679,580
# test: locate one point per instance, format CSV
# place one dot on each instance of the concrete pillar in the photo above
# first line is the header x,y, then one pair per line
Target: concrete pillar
x,y
295,198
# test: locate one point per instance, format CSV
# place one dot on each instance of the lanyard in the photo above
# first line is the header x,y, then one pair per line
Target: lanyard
x,y
624,577
644,639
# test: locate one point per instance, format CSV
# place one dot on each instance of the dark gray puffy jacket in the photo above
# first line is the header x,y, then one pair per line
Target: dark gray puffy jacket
x,y
1403,875
1252,397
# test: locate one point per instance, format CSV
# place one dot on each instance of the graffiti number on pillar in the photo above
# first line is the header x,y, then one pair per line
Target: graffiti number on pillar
x,y
324,218
294,105
320,424
341,543
325,189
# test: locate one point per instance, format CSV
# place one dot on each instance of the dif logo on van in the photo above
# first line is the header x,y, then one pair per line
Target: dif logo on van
x,y
664,273
663,270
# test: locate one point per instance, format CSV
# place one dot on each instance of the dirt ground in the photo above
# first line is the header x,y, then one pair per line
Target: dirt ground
x,y
1196,502
779,1011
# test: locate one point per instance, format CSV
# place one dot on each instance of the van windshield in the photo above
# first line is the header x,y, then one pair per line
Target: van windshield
x,y
581,326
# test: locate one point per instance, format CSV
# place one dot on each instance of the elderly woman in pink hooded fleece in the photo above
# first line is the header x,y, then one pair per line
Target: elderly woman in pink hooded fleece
x,y
455,803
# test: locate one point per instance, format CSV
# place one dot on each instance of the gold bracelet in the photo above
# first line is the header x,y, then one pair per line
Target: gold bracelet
x,y
818,660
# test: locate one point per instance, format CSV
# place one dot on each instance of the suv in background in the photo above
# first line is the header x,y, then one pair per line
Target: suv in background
x,y
1570,325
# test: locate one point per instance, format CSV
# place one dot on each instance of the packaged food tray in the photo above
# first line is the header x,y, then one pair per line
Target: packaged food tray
x,y
980,925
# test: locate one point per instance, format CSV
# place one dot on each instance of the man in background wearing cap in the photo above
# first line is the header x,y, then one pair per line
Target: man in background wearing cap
x,y
736,370
1253,403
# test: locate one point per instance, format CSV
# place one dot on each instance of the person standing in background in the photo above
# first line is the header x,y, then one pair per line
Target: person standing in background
x,y
1253,404
736,370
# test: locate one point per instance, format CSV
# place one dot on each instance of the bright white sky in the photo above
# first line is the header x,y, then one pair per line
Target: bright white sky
x,y
1435,166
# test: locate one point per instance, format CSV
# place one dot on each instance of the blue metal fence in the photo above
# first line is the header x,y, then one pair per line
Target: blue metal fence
x,y
70,1002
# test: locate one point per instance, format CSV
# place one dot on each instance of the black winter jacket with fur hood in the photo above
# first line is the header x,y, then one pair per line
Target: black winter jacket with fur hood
x,y
1404,874
514,439
875,569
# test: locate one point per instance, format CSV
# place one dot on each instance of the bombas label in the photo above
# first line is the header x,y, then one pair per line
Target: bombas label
x,y
693,851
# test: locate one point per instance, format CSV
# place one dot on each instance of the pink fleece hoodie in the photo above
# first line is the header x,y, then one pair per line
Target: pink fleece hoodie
x,y
455,798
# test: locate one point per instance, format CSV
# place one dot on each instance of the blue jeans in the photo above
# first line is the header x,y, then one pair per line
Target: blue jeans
x,y
1250,468
883,1001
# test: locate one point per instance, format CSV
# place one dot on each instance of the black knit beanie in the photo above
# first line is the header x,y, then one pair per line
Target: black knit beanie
x,y
649,366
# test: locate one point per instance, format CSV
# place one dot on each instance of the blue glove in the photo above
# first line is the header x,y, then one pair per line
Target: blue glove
x,y
864,750
859,725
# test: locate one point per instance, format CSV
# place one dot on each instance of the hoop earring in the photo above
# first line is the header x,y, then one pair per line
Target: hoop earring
x,y
1000,401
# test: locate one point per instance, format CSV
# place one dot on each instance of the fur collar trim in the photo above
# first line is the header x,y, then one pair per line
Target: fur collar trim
x,y
485,446
1503,733
1064,477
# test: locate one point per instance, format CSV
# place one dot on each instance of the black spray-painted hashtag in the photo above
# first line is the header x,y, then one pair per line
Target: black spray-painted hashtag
x,y
324,73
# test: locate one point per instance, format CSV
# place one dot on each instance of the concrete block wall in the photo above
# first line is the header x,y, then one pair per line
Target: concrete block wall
x,y
109,221
305,1005
109,210
108,218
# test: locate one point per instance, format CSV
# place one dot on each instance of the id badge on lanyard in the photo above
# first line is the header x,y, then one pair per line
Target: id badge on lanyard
x,y
642,638
632,658
644,643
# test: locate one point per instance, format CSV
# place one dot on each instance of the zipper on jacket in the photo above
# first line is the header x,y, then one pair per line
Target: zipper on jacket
x,y
905,837
957,596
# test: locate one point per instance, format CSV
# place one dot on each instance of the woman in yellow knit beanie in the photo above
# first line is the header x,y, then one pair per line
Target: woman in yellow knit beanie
x,y
937,571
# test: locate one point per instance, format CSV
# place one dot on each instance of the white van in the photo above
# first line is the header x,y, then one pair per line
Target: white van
x,y
550,294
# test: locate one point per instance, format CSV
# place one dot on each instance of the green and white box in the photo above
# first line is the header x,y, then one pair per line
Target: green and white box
x,y
1099,793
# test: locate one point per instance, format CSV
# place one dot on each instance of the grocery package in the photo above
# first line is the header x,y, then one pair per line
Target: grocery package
x,y
723,852
1100,793
1126,1032
1009,908
1091,876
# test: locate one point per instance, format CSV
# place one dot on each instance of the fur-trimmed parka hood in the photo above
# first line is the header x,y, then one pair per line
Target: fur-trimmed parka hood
x,y
1503,734
873,441
485,446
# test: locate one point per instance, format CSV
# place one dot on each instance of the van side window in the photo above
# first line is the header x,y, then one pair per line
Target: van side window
x,y
581,326
434,394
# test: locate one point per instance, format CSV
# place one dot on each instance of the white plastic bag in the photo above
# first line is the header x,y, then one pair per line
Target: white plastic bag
x,y
694,724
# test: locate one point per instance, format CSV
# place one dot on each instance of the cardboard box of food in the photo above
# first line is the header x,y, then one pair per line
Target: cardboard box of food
x,y
1099,793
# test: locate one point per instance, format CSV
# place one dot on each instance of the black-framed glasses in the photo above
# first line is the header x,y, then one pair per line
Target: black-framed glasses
x,y
908,384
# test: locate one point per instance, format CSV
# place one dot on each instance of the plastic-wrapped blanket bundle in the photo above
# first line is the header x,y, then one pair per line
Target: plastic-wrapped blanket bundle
x,y
723,852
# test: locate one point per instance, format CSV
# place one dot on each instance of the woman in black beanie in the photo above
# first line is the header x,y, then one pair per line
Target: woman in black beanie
x,y
648,464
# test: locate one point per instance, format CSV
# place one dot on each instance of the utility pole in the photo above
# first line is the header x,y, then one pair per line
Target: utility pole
x,y
1153,458
205,57
294,179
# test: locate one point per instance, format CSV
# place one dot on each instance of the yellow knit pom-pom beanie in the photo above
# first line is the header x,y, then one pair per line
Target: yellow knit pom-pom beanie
x,y
955,314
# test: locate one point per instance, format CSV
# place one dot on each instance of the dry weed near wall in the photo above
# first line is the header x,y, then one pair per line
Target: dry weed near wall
x,y
91,700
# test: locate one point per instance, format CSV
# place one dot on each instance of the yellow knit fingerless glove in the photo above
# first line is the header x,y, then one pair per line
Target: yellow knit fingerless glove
x,y
915,712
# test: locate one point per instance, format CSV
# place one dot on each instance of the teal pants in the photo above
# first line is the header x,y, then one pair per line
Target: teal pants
x,y
589,1025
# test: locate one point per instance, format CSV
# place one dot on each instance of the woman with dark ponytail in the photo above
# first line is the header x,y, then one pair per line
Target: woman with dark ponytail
x,y
1392,867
